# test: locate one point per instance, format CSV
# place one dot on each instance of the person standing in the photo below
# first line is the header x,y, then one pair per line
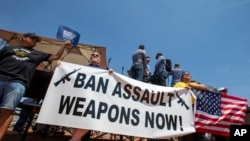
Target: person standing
x,y
148,71
160,69
138,68
17,67
176,73
78,133
186,82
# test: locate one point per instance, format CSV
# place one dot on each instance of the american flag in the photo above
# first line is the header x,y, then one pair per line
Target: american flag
x,y
215,113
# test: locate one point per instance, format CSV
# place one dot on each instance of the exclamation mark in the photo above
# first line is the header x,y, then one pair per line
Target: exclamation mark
x,y
180,119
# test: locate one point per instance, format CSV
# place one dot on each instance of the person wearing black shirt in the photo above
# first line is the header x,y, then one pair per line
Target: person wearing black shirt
x,y
17,67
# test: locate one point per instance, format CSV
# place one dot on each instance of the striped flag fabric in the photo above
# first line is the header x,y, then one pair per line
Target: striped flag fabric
x,y
214,113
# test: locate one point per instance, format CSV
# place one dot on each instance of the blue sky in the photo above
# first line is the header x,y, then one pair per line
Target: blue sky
x,y
211,39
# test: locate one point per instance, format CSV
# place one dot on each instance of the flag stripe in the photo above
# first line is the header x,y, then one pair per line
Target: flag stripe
x,y
221,120
230,117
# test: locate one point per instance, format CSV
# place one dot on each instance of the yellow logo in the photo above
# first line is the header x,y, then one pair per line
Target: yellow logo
x,y
21,53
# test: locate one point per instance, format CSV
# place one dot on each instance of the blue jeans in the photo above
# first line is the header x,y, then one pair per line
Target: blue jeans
x,y
137,71
10,94
163,76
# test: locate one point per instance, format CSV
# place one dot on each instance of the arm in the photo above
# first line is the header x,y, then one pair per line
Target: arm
x,y
197,86
59,54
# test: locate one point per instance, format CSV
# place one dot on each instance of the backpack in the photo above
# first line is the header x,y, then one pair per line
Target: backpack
x,y
154,78
168,65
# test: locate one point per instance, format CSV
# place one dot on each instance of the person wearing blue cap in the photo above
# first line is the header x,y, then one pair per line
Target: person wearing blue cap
x,y
160,69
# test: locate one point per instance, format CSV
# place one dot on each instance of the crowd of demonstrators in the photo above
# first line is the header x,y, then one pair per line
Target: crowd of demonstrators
x,y
139,66
179,79
18,64
17,67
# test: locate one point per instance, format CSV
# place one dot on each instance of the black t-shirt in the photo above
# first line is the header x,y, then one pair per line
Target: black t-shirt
x,y
18,63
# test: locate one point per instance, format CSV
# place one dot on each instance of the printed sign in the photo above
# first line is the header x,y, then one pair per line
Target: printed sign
x,y
66,33
90,98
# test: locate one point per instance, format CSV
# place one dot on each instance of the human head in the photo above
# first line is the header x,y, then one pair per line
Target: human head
x,y
141,47
148,59
158,55
186,77
222,90
30,39
95,58
176,65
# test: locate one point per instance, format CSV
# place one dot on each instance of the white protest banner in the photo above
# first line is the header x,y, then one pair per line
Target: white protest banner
x,y
90,98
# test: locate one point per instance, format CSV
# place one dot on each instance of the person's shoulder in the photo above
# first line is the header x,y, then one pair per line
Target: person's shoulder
x,y
141,51
10,46
180,84
179,70
162,58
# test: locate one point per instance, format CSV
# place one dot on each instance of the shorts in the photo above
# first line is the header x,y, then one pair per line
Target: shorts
x,y
11,94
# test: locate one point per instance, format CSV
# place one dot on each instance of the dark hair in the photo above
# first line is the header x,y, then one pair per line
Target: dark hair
x,y
177,65
158,54
183,74
32,35
141,47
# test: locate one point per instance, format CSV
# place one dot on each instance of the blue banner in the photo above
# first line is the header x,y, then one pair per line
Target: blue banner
x,y
66,33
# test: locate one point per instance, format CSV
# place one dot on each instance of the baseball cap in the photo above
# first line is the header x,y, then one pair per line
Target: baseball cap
x,y
33,35
222,89
158,54
176,65
141,46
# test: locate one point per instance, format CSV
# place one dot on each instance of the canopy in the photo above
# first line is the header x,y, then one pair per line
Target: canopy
x,y
77,55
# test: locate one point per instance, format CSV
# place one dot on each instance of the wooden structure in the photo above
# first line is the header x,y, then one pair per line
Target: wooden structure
x,y
77,55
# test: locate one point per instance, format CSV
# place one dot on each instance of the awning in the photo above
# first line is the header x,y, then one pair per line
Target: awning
x,y
77,55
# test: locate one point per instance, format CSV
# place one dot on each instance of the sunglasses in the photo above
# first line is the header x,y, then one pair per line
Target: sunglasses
x,y
95,55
